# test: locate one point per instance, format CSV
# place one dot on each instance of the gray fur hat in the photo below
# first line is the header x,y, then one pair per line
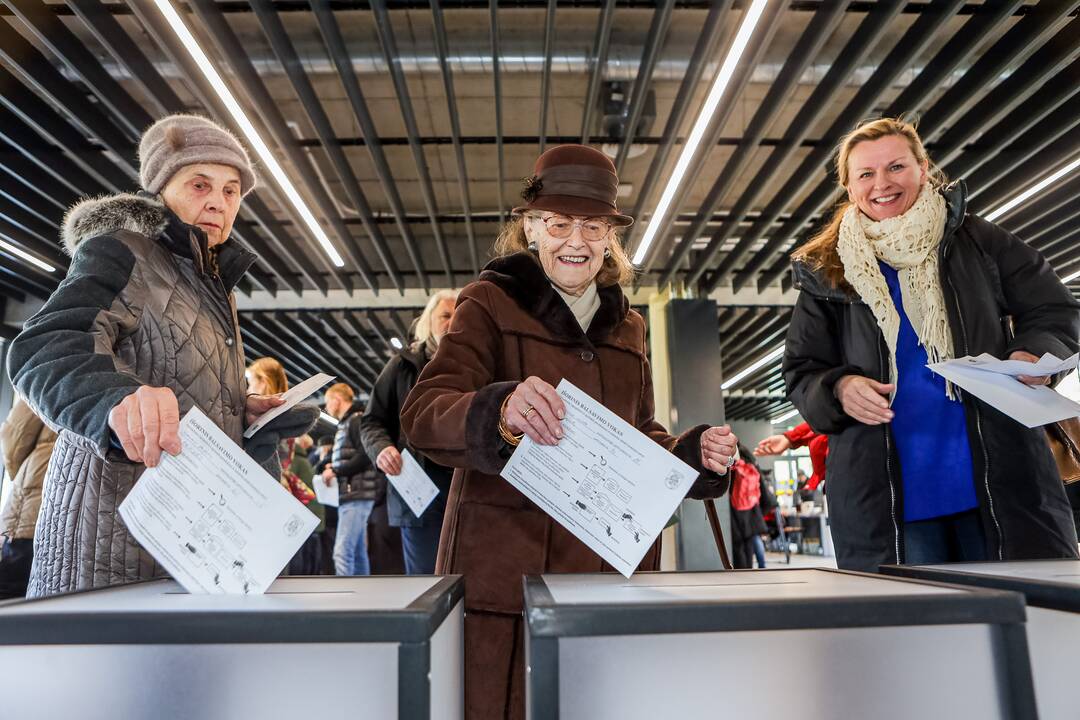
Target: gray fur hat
x,y
178,140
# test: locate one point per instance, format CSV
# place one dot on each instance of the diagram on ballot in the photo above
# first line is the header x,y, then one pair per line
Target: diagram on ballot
x,y
604,499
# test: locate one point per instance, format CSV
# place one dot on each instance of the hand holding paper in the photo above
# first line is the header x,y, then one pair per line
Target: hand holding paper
x,y
291,397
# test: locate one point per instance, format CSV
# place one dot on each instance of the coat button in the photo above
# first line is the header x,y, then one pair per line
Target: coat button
x,y
229,341
587,355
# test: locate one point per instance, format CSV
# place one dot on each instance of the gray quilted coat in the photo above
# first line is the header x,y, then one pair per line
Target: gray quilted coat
x,y
145,302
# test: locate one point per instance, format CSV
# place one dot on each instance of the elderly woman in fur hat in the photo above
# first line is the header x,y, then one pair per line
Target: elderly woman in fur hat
x,y
549,307
142,329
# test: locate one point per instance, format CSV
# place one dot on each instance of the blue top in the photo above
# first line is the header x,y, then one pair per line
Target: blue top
x,y
929,429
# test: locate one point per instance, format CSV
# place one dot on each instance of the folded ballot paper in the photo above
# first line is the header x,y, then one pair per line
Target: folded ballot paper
x,y
994,382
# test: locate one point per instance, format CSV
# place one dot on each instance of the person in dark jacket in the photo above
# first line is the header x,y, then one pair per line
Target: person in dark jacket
x,y
382,436
747,521
919,471
358,483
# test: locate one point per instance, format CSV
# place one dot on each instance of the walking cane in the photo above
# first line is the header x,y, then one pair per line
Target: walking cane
x,y
718,533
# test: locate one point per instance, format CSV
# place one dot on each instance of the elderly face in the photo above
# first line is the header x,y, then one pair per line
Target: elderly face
x,y
207,196
441,317
571,248
884,178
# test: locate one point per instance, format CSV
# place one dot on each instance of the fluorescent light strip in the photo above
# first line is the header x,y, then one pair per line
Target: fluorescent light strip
x,y
998,212
723,77
786,416
252,135
1072,277
328,418
27,256
761,362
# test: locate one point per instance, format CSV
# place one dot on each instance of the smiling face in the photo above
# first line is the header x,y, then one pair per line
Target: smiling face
x,y
573,262
884,177
207,196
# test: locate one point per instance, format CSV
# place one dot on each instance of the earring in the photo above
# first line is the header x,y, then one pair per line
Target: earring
x,y
607,253
533,247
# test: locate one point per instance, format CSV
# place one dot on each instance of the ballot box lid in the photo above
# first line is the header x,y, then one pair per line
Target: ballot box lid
x,y
653,603
294,609
1052,584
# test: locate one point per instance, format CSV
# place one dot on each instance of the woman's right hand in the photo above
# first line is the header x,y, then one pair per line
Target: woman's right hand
x,y
146,422
773,445
535,408
864,399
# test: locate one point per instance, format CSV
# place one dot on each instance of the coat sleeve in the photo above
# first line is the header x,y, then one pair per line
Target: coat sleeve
x,y
19,435
1045,316
800,435
382,412
686,447
452,413
813,362
64,361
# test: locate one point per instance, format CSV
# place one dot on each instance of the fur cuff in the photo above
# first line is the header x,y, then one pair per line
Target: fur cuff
x,y
708,483
488,452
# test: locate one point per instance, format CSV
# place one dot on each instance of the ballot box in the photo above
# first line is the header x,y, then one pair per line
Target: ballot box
x,y
325,647
814,644
1052,590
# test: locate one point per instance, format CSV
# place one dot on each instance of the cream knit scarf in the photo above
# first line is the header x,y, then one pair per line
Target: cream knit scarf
x,y
583,306
909,243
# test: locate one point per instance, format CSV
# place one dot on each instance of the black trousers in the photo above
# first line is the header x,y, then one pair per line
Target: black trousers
x,y
15,559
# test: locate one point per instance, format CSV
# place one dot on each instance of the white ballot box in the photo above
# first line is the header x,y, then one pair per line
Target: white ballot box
x,y
1052,590
772,645
326,647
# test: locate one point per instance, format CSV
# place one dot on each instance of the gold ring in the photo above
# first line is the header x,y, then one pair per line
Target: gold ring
x,y
525,413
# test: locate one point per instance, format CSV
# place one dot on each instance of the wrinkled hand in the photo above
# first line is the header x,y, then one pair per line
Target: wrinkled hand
x,y
328,474
773,445
1028,379
146,422
389,461
535,408
258,404
718,446
864,399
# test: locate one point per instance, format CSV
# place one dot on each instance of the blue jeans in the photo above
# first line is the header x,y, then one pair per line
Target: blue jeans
x,y
350,546
420,545
952,538
759,550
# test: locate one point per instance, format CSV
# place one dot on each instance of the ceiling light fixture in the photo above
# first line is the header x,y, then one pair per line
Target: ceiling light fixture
x,y
1070,278
723,77
786,416
26,256
1037,187
760,362
261,149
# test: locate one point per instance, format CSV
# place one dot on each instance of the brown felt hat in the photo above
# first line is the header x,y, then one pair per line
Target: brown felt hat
x,y
574,180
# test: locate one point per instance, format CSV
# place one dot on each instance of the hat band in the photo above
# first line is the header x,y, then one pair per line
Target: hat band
x,y
585,181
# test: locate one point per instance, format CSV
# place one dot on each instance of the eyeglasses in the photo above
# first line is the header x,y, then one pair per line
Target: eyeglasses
x,y
561,227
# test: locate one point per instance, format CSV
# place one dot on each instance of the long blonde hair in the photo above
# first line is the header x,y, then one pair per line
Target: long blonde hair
x,y
422,332
272,373
616,269
820,251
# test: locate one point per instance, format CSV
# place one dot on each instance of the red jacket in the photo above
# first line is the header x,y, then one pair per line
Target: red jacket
x,y
745,486
801,435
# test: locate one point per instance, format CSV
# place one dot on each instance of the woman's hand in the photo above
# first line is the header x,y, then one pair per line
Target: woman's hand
x,y
718,446
864,399
389,461
535,408
1029,379
256,405
773,445
146,422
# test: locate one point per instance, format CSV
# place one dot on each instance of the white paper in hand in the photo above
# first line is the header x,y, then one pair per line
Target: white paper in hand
x,y
413,484
213,517
325,494
1030,406
606,482
292,396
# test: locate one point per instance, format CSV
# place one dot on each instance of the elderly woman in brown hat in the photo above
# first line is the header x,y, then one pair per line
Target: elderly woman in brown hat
x,y
548,307
141,330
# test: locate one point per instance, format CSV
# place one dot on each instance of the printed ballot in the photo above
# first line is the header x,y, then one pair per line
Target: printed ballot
x,y
292,396
994,382
413,484
605,482
213,517
326,494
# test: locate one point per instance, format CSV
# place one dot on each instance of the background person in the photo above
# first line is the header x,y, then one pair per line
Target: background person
x,y
903,275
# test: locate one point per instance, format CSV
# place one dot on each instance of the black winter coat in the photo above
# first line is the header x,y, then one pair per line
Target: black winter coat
x,y
987,274
381,428
358,478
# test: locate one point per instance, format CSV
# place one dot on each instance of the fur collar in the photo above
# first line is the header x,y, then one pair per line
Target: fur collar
x,y
146,215
523,279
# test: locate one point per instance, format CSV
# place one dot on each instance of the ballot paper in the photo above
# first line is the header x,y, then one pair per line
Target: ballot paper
x,y
292,396
994,382
325,494
605,482
213,517
413,484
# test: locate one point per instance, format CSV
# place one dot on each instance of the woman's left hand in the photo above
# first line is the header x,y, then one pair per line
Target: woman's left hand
x,y
1028,379
718,447
258,404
